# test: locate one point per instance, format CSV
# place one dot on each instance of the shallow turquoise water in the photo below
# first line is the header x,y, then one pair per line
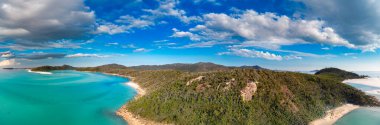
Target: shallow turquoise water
x,y
363,116
63,98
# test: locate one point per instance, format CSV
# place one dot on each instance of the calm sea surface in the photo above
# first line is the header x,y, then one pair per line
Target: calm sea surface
x,y
62,98
363,116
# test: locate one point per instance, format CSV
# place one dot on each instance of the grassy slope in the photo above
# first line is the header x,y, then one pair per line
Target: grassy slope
x,y
281,98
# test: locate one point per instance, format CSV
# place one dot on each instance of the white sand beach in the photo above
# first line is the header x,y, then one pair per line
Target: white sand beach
x,y
140,91
374,82
39,72
334,114
123,112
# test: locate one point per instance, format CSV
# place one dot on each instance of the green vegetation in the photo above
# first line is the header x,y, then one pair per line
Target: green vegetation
x,y
281,97
337,74
196,67
215,98
49,68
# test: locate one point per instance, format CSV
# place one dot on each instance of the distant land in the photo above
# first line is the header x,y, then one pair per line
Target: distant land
x,y
196,67
14,68
338,74
207,93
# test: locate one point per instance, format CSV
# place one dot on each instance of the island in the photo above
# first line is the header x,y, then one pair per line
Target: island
x,y
207,93
338,74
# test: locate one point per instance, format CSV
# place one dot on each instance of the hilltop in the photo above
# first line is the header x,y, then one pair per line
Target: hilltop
x,y
49,68
235,95
338,74
196,67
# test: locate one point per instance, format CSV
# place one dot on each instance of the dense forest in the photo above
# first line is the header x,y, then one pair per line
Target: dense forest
x,y
235,96
338,74
48,68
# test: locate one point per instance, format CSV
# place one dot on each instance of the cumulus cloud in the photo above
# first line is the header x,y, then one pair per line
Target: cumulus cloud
x,y
168,8
252,54
43,21
128,23
141,50
9,62
285,54
39,56
125,24
356,21
111,28
25,45
190,35
85,55
266,30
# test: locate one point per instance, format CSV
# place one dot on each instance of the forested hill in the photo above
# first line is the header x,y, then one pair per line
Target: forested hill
x,y
338,74
196,67
236,96
49,68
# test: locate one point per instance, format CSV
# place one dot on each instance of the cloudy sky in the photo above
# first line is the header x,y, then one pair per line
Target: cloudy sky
x,y
276,34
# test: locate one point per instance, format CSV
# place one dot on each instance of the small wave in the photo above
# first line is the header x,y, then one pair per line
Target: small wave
x,y
374,82
44,73
377,91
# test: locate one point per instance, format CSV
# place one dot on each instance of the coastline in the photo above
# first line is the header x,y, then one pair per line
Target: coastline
x,y
334,115
123,112
374,82
39,72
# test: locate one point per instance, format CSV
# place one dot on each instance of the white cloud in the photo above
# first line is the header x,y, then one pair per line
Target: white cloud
x,y
129,46
266,30
190,35
127,23
111,29
44,21
113,43
168,8
252,54
356,21
133,22
291,57
25,45
214,2
141,50
204,44
86,55
9,62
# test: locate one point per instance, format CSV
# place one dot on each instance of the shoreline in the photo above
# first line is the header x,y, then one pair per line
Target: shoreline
x,y
123,112
373,82
334,115
39,72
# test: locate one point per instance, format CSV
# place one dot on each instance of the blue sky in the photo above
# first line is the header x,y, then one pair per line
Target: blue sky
x,y
276,34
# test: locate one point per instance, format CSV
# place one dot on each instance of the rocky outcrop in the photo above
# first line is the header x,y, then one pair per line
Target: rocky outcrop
x,y
248,91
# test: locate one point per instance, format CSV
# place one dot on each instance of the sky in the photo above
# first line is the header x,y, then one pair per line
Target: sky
x,y
295,35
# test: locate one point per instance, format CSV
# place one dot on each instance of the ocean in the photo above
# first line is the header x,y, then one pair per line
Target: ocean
x,y
364,116
62,98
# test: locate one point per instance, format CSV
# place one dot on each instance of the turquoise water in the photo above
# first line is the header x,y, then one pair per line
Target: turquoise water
x,y
363,116
63,98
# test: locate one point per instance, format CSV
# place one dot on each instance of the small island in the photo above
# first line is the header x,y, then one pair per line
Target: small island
x,y
199,94
338,74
